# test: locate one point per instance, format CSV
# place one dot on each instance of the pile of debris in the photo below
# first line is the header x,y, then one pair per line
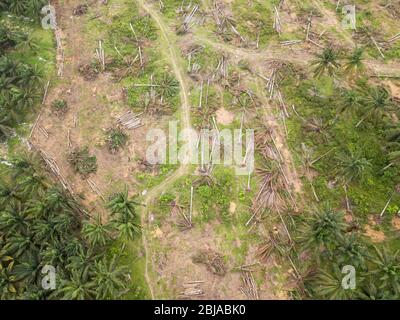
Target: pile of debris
x,y
213,261
191,289
183,221
80,10
188,18
89,71
249,287
130,121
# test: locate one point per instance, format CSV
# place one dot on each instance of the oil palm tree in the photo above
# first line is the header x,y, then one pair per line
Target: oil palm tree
x,y
22,165
53,253
369,290
326,62
34,6
352,166
43,231
354,63
349,101
96,232
29,76
74,247
377,102
54,201
8,287
322,230
8,194
167,86
77,287
32,184
28,270
17,244
328,285
14,220
386,266
120,203
351,251
18,7
83,261
126,227
109,278
6,131
64,223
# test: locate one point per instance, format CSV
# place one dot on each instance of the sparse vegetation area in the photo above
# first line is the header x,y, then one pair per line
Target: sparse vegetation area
x,y
116,139
322,196
60,107
82,162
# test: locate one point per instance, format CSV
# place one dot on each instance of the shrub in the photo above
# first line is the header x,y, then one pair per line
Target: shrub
x,y
59,107
116,139
82,162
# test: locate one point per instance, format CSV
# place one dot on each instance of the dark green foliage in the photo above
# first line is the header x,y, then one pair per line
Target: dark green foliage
x,y
352,166
11,36
351,131
328,285
39,226
386,268
122,207
18,91
82,162
19,82
354,62
28,8
326,62
116,139
322,231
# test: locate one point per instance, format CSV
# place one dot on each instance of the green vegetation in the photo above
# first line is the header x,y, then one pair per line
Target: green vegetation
x,y
82,162
40,225
348,134
60,107
317,213
23,55
29,8
116,139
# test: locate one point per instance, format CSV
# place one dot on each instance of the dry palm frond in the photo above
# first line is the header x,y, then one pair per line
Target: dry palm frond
x,y
130,67
188,18
221,70
264,143
314,125
183,221
205,178
307,155
275,243
245,99
213,261
249,286
191,289
272,181
154,105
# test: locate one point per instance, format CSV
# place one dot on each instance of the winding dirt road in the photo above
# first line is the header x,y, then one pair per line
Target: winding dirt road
x,y
173,55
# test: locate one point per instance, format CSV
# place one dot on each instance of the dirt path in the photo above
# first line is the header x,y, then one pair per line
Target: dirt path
x,y
301,55
174,58
150,197
169,37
